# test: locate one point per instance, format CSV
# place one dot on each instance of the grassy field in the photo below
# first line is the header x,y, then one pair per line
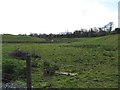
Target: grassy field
x,y
94,60
22,39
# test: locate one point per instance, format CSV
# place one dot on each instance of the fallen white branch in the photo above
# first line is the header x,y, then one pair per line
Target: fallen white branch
x,y
66,73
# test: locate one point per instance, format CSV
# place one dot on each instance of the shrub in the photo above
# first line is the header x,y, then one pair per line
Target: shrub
x,y
8,70
49,69
34,64
24,55
34,55
12,69
19,54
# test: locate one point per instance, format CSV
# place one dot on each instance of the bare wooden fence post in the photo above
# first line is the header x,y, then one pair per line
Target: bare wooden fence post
x,y
28,66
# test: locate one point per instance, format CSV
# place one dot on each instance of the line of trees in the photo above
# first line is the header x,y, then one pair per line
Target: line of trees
x,y
92,32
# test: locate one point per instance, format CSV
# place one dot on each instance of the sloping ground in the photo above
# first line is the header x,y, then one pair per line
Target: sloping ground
x,y
65,40
18,39
110,39
94,60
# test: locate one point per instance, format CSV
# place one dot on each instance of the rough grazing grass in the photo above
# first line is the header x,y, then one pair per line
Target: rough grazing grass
x,y
15,38
95,60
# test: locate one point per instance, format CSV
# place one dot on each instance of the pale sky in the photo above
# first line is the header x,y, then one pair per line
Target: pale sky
x,y
55,16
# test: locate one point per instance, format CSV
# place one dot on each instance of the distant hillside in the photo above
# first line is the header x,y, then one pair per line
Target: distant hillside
x,y
20,39
110,39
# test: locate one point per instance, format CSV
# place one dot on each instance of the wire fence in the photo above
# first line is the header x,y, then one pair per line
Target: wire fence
x,y
13,86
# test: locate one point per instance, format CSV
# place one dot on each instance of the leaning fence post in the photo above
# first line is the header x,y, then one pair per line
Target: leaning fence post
x,y
28,73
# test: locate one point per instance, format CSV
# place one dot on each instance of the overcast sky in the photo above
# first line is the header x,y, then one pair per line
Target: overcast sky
x,y
55,16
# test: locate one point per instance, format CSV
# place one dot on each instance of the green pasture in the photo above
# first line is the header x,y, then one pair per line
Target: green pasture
x,y
95,60
18,39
